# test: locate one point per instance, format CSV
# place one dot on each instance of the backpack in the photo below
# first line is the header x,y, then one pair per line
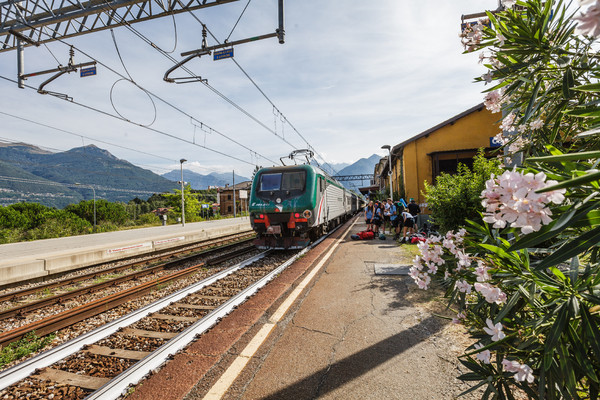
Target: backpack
x,y
365,235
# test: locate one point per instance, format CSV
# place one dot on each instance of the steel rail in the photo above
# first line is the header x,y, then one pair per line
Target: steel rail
x,y
114,388
77,314
47,358
57,299
160,255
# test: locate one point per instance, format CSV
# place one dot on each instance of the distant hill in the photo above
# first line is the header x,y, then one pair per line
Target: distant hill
x,y
202,182
360,167
50,178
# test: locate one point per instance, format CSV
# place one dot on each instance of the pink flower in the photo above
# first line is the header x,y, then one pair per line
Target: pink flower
x,y
508,123
510,366
482,272
459,318
589,21
483,356
511,199
495,331
523,372
463,286
537,124
493,101
492,294
508,3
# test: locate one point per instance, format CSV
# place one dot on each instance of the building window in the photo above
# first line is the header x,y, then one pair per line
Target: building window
x,y
228,209
228,197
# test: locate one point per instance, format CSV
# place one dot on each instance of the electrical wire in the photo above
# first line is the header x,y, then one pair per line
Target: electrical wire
x,y
172,59
264,95
148,92
72,185
142,126
238,20
86,137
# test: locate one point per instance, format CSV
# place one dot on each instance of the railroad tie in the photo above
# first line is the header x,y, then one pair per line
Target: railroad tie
x,y
83,381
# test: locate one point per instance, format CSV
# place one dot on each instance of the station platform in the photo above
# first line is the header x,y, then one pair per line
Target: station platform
x,y
342,322
36,259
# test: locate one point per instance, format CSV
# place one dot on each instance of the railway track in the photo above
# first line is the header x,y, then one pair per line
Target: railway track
x,y
104,362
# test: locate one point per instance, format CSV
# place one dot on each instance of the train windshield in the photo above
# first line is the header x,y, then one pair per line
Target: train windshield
x,y
282,181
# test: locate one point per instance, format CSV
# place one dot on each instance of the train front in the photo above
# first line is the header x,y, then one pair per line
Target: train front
x,y
282,204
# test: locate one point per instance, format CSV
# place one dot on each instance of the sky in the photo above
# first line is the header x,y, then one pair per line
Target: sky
x,y
351,77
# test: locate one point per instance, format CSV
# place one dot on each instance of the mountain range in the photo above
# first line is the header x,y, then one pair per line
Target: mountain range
x,y
202,182
30,174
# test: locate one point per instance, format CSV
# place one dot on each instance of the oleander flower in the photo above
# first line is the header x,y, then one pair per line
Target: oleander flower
x,y
493,101
495,331
523,372
511,198
463,286
492,294
537,124
589,21
483,356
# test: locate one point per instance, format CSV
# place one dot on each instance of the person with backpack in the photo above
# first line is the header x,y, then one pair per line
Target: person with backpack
x,y
408,223
369,211
414,210
377,217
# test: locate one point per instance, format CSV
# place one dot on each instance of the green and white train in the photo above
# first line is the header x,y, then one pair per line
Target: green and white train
x,y
290,206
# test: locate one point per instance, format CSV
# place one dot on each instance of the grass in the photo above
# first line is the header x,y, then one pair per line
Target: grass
x,y
22,348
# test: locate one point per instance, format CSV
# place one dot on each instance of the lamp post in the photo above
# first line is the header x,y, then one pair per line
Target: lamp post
x,y
182,198
94,191
386,146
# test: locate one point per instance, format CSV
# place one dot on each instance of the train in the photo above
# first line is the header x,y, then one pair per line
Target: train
x,y
291,206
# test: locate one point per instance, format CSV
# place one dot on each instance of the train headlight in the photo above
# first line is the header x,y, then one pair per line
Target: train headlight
x,y
307,214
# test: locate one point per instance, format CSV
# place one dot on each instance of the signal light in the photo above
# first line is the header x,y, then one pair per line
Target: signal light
x,y
297,215
262,216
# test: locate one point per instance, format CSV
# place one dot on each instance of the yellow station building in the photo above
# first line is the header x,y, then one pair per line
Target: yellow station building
x,y
438,149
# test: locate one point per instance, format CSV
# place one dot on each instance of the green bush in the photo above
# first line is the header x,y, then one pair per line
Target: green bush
x,y
456,197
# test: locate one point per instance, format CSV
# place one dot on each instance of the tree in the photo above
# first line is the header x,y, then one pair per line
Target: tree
x,y
192,204
456,197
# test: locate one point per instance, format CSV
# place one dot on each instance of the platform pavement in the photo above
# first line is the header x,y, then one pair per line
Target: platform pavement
x,y
39,258
351,334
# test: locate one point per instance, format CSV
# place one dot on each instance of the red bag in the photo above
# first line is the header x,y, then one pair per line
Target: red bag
x,y
366,235
416,239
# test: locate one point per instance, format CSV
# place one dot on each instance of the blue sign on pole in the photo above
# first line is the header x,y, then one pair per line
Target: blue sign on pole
x,y
221,54
494,142
83,72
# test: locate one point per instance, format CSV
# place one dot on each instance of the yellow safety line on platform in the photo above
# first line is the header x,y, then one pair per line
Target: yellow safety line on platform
x,y
222,385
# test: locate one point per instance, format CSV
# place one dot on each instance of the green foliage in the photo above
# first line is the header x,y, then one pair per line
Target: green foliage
x,y
192,204
456,197
106,211
22,348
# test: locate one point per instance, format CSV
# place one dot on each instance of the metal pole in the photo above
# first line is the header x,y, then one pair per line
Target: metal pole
x,y
280,31
182,198
390,163
94,190
20,63
234,205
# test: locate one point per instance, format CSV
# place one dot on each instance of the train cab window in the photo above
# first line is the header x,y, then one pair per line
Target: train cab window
x,y
290,183
293,180
270,182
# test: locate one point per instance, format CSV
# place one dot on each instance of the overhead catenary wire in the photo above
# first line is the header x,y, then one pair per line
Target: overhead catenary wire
x,y
140,125
152,94
72,185
262,92
172,59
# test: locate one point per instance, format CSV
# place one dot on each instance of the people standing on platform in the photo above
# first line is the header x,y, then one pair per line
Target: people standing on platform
x,y
408,222
414,210
386,215
393,219
377,217
369,211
